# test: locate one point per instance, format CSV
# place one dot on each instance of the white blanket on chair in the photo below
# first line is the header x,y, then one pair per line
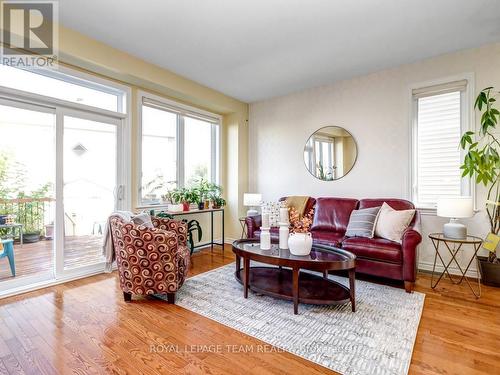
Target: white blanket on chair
x,y
108,248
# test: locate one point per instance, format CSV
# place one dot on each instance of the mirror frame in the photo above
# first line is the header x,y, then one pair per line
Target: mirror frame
x,y
355,158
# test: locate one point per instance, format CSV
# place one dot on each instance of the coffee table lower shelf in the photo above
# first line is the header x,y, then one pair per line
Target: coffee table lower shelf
x,y
278,282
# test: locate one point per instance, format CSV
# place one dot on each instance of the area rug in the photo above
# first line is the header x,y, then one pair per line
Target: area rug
x,y
377,339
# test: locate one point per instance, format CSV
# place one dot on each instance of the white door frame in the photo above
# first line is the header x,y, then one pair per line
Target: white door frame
x,y
22,100
61,113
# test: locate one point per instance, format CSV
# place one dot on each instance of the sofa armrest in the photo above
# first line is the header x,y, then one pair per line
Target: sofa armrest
x,y
411,239
253,224
176,226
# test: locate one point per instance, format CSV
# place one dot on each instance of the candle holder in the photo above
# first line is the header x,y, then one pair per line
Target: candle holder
x,y
284,233
265,238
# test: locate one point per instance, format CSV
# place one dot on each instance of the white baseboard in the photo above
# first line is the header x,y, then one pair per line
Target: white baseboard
x,y
427,266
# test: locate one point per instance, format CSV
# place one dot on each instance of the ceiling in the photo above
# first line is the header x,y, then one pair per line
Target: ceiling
x,y
256,49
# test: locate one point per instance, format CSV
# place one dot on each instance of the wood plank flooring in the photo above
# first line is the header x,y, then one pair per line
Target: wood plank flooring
x,y
38,258
85,327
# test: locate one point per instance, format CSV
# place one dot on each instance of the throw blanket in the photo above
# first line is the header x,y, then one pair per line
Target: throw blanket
x,y
297,202
108,249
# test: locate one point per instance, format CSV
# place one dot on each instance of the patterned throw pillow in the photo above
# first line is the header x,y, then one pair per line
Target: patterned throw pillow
x,y
362,222
273,209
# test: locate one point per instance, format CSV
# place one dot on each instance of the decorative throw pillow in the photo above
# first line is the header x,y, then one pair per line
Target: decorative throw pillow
x,y
273,209
362,222
392,223
143,219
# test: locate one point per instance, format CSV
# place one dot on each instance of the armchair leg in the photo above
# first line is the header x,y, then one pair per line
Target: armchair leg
x,y
171,298
409,286
127,297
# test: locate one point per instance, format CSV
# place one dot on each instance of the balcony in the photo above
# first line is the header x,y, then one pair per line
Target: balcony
x,y
33,218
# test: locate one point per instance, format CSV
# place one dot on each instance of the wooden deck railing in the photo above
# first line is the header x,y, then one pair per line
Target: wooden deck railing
x,y
33,213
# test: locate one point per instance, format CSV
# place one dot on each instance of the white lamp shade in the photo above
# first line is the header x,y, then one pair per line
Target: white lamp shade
x,y
456,207
251,199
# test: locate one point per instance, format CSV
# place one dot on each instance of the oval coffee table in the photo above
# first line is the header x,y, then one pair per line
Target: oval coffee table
x,y
287,282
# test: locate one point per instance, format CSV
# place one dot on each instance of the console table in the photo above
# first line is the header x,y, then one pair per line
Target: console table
x,y
205,211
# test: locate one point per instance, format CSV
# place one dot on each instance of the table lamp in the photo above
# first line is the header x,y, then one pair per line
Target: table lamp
x,y
455,208
252,200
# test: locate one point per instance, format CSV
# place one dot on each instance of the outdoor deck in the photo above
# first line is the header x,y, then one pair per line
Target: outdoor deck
x,y
38,258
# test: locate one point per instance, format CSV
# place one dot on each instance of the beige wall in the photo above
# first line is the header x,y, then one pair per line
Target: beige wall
x,y
375,109
88,54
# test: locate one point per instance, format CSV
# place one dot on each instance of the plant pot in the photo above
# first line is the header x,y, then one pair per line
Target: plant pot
x,y
185,206
31,237
490,272
175,207
49,231
207,204
3,219
300,244
201,206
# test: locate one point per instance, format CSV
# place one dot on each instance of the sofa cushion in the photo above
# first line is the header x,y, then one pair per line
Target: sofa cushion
x,y
374,248
362,222
392,223
274,232
327,237
332,214
397,204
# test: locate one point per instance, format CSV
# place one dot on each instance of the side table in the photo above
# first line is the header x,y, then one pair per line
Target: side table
x,y
453,246
244,229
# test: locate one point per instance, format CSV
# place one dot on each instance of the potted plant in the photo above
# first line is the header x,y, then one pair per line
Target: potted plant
x,y
171,198
300,240
180,196
192,227
483,160
218,202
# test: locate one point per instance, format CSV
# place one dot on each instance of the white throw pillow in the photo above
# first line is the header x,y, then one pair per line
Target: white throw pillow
x,y
392,223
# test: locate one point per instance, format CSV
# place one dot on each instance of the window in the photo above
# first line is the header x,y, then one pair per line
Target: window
x,y
68,87
439,118
179,146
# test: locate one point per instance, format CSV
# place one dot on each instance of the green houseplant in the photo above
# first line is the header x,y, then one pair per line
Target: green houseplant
x,y
194,227
482,160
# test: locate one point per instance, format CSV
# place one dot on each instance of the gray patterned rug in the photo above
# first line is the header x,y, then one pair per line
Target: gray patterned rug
x,y
377,339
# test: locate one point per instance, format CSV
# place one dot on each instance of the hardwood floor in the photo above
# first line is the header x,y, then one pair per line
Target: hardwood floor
x,y
85,327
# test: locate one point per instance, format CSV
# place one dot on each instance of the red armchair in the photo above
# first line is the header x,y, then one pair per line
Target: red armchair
x,y
150,260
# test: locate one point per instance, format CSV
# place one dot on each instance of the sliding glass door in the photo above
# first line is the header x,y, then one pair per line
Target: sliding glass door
x,y
27,193
90,158
60,178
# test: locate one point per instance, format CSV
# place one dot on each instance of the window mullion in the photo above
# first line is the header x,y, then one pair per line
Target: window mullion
x,y
180,151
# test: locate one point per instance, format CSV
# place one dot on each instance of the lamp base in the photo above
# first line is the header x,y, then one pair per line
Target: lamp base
x,y
455,230
252,213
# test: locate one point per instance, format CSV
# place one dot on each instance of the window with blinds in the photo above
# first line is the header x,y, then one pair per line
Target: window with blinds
x,y
439,122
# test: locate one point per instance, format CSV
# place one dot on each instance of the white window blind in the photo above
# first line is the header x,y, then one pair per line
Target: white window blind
x,y
438,157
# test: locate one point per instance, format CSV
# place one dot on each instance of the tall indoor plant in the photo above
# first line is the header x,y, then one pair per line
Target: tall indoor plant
x,y
482,159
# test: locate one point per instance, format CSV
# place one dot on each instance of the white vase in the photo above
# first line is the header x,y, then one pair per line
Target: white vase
x,y
300,243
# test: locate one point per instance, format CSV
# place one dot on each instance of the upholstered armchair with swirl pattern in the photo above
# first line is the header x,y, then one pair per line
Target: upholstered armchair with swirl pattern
x,y
150,260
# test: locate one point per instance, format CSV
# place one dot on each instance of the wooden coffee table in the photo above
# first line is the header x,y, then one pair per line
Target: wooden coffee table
x,y
287,282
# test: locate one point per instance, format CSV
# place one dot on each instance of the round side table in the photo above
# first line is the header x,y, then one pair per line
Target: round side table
x,y
453,246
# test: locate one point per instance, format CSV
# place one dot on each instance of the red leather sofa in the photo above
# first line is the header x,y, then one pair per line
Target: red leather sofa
x,y
374,256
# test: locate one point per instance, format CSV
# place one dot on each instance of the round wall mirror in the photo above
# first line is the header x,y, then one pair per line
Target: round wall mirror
x,y
330,153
